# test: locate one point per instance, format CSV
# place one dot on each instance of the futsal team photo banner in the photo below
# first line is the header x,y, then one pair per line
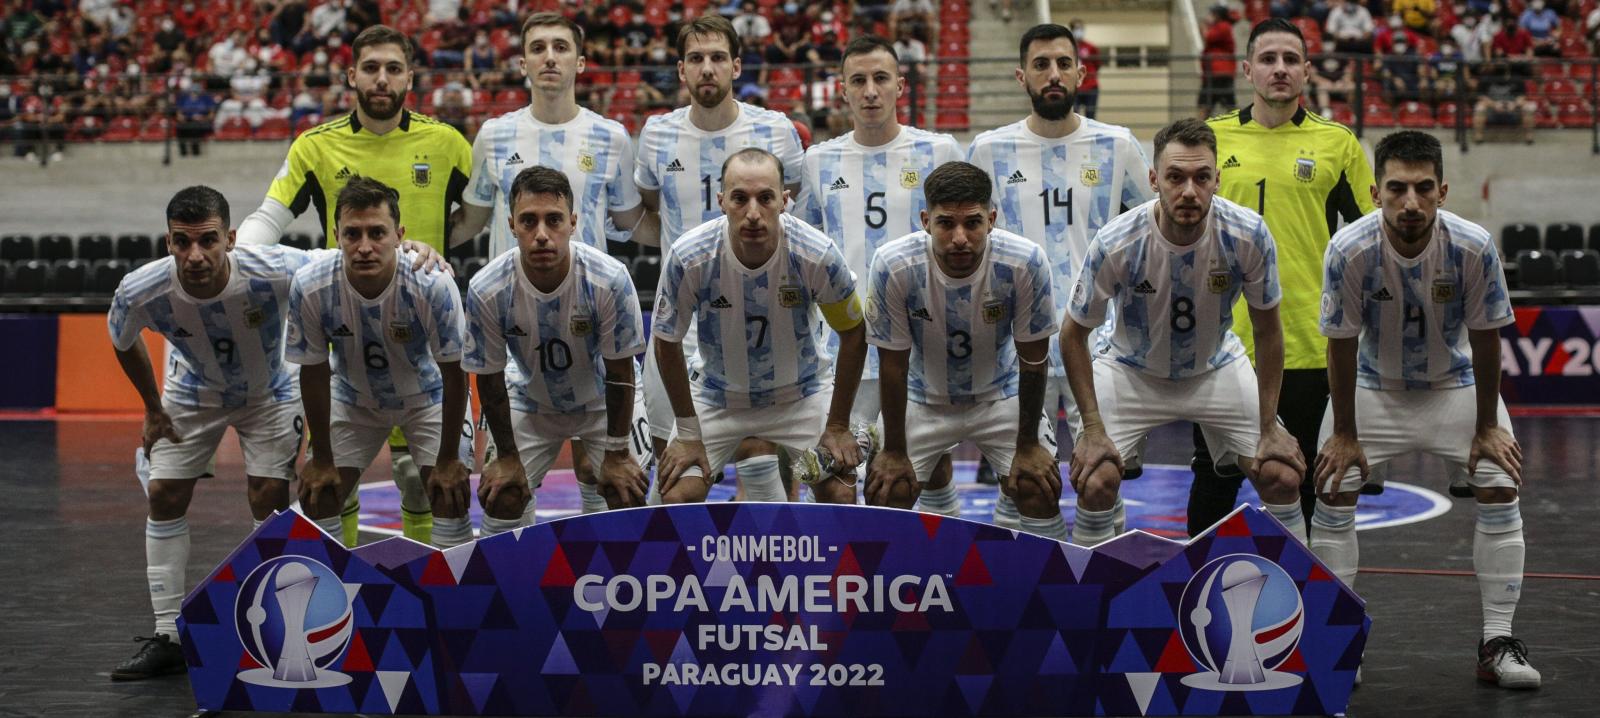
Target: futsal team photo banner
x,y
738,609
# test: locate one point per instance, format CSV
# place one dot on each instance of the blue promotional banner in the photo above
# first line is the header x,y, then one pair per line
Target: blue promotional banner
x,y
735,609
1551,355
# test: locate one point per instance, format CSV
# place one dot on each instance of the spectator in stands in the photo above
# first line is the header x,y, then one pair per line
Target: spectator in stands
x,y
318,72
791,47
598,38
660,87
636,37
481,57
751,25
1089,60
41,122
753,72
1384,40
328,18
249,99
1417,15
1217,66
920,14
1592,30
911,51
1503,101
1544,26
196,114
1333,80
1287,8
168,37
452,103
1350,27
228,55
1003,7
1472,37
829,54
1401,72
442,12
192,20
1444,73
286,25
21,23
824,23
874,11
1512,47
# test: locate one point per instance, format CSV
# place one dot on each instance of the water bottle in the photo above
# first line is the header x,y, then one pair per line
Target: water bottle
x,y
817,464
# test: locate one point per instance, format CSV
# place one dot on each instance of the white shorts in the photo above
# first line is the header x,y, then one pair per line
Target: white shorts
x,y
658,407
540,436
1440,422
933,430
1224,402
1058,397
865,411
269,435
796,426
359,433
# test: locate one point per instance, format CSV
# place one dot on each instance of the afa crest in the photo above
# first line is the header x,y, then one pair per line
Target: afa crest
x,y
910,178
790,296
1305,169
1443,292
581,325
1089,175
1218,282
586,161
993,312
254,317
421,174
400,331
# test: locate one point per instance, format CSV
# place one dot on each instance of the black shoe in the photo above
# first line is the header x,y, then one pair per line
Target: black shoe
x,y
159,656
986,473
1503,661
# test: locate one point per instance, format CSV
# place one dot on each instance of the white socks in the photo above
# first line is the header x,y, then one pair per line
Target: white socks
x,y
1092,527
1006,515
493,526
940,501
333,525
1054,527
529,512
1497,556
1291,516
1334,540
593,502
166,554
760,478
449,533
1119,517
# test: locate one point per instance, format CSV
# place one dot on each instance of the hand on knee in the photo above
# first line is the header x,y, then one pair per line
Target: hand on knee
x,y
1100,491
903,494
1275,481
1494,494
509,502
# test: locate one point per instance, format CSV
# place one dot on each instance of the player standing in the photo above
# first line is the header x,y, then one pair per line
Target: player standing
x,y
396,337
1172,269
1302,173
426,161
864,189
567,314
953,310
680,162
751,284
1058,178
1412,302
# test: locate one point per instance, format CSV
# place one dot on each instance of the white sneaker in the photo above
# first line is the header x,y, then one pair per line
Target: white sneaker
x,y
1503,661
55,157
32,157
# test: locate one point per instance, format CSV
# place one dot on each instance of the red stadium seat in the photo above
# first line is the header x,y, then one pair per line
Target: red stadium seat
x,y
1560,91
1343,115
1447,115
1546,118
156,130
86,127
122,129
307,122
232,129
951,120
1552,70
1379,115
1415,115
1576,114
953,69
274,128
953,48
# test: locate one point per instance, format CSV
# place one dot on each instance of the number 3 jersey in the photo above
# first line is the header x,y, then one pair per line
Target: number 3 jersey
x,y
1413,314
1060,192
385,351
961,331
757,328
227,350
1172,306
559,341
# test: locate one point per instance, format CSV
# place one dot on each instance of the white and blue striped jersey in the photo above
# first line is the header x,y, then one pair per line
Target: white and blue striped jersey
x,y
385,351
1172,306
865,197
1060,192
684,162
227,351
560,340
961,333
1413,314
757,328
594,152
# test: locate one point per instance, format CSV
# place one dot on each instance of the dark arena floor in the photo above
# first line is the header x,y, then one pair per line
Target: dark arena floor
x,y
72,543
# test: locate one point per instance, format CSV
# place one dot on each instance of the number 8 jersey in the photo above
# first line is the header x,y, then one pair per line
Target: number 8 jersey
x,y
1171,305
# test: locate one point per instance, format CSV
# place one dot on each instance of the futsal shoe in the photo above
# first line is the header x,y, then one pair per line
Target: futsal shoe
x,y
986,472
1503,661
1459,487
158,656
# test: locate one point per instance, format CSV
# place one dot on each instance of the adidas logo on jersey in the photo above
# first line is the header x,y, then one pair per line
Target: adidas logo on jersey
x,y
516,159
1017,178
1232,162
516,331
343,331
1144,288
342,174
1382,295
922,313
675,166
182,333
839,184
721,302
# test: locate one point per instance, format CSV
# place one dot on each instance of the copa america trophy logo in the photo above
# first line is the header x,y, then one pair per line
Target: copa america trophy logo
x,y
293,617
1241,618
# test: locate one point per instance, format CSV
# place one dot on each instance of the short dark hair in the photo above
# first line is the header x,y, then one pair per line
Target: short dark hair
x,y
552,19
1187,131
1044,33
541,180
1273,24
382,35
958,183
1409,146
753,155
867,44
712,24
198,204
365,193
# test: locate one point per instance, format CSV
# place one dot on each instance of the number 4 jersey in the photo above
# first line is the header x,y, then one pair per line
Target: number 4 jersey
x,y
1172,305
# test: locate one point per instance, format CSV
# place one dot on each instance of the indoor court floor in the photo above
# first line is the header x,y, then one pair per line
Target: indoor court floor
x,y
72,542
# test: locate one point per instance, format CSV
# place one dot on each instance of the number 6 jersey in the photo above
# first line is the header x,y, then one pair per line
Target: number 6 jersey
x,y
1172,306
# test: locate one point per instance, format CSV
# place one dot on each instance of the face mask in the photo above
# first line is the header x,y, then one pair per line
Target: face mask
x,y
1538,5
674,16
791,8
1470,22
1330,64
827,17
1395,22
1077,33
188,7
335,41
1446,50
5,90
1400,48
659,54
321,58
167,25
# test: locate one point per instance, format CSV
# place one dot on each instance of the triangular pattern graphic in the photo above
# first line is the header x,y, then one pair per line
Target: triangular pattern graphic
x,y
394,684
1143,686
